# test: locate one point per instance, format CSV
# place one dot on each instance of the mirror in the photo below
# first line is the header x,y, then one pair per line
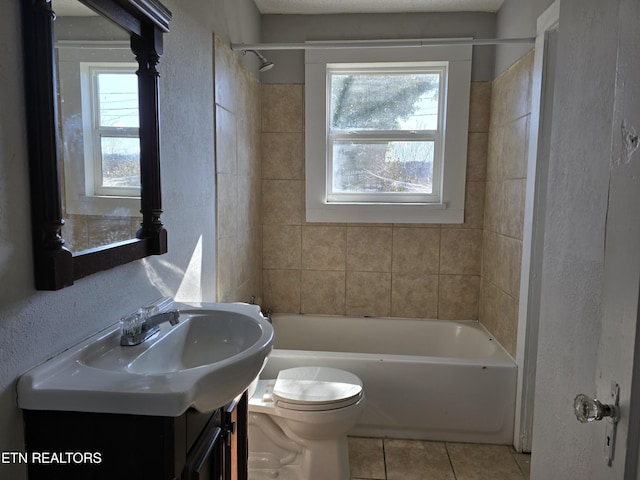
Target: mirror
x,y
92,117
98,124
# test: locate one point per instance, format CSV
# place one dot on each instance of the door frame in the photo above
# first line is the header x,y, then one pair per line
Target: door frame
x,y
533,231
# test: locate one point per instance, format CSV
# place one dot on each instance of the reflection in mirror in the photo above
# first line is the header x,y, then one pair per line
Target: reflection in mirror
x,y
99,152
94,157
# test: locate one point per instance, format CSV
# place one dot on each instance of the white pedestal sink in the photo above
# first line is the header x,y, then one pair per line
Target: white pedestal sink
x,y
207,359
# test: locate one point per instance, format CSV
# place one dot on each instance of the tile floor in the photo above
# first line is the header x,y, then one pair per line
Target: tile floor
x,y
389,459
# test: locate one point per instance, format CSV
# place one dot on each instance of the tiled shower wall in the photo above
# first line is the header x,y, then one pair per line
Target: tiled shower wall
x,y
238,171
427,271
266,248
504,205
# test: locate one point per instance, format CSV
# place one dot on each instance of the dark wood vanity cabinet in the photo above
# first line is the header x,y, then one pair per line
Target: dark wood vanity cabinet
x,y
193,446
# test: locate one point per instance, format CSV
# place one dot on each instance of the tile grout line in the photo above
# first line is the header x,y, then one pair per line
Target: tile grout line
x,y
384,458
453,471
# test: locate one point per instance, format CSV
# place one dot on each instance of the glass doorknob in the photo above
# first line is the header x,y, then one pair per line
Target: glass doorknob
x,y
588,409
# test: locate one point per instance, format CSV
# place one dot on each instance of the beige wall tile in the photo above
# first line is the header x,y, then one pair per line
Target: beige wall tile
x,y
459,297
461,251
249,155
488,314
282,108
281,290
417,254
416,250
368,293
246,290
490,255
414,295
227,205
238,184
511,92
507,331
504,200
494,149
244,256
501,262
474,199
225,78
283,156
369,249
248,125
324,248
511,215
509,260
323,292
480,107
248,202
514,147
282,202
228,268
478,144
499,314
226,153
282,246
492,206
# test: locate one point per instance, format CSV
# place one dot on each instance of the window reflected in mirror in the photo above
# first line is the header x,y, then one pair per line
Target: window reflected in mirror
x,y
99,155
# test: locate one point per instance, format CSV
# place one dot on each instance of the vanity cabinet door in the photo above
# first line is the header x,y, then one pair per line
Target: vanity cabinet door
x,y
220,450
204,460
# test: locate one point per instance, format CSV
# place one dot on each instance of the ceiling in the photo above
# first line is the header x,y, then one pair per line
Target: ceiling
x,y
310,7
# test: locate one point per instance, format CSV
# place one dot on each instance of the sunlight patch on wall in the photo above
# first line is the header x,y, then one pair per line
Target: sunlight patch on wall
x,y
189,289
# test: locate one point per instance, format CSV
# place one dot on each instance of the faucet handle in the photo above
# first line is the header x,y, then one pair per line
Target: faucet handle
x,y
150,311
132,324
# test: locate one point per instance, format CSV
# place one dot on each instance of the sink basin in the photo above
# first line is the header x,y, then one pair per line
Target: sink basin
x,y
205,361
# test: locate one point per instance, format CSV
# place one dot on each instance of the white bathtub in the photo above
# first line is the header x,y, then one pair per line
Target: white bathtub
x,y
423,379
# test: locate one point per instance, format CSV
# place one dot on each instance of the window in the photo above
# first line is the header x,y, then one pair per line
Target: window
x,y
99,127
111,129
385,125
383,134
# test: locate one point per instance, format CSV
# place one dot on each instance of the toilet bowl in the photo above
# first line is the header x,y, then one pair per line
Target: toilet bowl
x,y
298,424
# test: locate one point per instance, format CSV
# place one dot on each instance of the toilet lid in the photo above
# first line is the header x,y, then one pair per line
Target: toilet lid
x,y
316,388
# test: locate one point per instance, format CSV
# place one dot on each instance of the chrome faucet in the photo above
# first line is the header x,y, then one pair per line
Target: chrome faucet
x,y
139,326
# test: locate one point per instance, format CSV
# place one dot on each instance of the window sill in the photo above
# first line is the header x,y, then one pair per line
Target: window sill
x,y
383,213
105,206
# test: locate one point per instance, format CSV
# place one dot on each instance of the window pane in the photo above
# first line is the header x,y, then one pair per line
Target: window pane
x,y
118,97
120,162
381,167
385,101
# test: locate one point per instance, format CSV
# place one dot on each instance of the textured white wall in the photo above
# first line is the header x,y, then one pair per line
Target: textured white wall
x,y
37,325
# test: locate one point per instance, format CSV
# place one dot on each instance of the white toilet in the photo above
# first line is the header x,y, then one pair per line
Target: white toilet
x,y
298,424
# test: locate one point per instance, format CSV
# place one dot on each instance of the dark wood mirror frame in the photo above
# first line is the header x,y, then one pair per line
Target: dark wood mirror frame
x,y
55,266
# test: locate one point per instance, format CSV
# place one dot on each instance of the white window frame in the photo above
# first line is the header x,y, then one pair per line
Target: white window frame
x,y
73,121
449,207
93,131
435,136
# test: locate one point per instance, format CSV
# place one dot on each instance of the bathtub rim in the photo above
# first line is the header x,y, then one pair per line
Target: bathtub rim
x,y
500,357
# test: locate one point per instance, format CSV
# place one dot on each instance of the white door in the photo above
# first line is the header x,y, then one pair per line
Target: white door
x,y
590,275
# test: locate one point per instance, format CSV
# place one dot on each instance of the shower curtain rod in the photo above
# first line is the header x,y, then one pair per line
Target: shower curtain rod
x,y
381,43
